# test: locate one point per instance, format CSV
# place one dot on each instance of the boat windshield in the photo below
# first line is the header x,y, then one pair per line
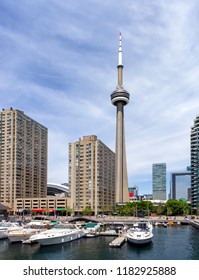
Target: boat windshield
x,y
64,226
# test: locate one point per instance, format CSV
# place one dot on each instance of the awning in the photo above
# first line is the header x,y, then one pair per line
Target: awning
x,y
38,210
61,209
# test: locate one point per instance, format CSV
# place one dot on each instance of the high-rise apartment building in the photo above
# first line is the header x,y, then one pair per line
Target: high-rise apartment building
x,y
23,157
91,174
195,166
159,181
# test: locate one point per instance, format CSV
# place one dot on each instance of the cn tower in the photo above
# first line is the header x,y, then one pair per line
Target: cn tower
x,y
120,98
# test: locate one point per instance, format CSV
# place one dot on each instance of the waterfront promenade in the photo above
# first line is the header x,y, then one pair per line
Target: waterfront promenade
x,y
105,219
127,219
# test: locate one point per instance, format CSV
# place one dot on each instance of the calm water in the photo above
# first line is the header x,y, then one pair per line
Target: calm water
x,y
172,243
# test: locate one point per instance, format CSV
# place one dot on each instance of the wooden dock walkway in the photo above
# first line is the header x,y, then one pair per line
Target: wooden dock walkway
x,y
118,241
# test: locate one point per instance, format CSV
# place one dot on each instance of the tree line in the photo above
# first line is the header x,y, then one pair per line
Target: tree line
x,y
142,208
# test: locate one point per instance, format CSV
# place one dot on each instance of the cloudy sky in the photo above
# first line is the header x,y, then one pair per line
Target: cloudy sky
x,y
59,65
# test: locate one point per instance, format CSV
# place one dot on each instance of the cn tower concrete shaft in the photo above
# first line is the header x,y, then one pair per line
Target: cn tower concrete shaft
x,y
120,98
121,169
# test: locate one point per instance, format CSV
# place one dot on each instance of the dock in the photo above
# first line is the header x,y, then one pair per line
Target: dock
x,y
118,241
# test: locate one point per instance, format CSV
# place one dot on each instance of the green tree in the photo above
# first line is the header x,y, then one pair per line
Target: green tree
x,y
186,209
176,207
135,208
68,211
87,211
159,210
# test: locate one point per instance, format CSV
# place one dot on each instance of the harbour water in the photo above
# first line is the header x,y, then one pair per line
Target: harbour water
x,y
171,243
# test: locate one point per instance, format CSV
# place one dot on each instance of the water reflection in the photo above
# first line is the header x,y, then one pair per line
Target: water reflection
x,y
172,243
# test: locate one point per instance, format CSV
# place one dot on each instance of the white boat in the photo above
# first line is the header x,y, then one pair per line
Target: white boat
x,y
6,227
25,232
140,233
60,233
92,229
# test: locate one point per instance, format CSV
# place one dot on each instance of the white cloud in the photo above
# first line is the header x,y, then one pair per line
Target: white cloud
x,y
59,65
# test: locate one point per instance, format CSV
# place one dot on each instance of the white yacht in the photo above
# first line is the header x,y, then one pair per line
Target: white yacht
x,y
6,227
25,232
60,233
140,233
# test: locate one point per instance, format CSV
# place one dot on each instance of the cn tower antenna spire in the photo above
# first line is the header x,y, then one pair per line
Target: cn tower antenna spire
x,y
120,51
120,65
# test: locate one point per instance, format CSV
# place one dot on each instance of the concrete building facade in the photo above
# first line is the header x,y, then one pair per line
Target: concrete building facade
x,y
23,157
91,175
42,205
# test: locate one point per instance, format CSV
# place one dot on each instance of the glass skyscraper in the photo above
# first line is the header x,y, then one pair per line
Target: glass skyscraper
x,y
180,184
159,181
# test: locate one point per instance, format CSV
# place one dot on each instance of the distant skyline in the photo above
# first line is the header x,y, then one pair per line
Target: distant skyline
x,y
59,65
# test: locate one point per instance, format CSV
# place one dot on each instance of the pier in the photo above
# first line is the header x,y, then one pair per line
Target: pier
x,y
118,241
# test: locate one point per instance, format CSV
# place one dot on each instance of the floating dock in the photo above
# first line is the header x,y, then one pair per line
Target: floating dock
x,y
118,241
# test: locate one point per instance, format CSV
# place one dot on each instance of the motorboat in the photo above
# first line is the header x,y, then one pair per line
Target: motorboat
x,y
140,233
92,229
6,227
60,233
25,232
170,224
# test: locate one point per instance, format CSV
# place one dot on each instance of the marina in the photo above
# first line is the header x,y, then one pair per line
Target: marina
x,y
175,241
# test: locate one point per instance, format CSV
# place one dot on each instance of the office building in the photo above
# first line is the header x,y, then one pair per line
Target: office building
x,y
23,157
159,181
180,184
195,166
91,176
120,98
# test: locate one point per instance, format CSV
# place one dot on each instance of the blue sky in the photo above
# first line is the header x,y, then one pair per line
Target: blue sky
x,y
59,65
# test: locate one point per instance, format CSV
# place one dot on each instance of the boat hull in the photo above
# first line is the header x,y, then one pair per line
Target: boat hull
x,y
141,233
3,234
20,236
7,227
60,239
139,241
91,235
15,239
